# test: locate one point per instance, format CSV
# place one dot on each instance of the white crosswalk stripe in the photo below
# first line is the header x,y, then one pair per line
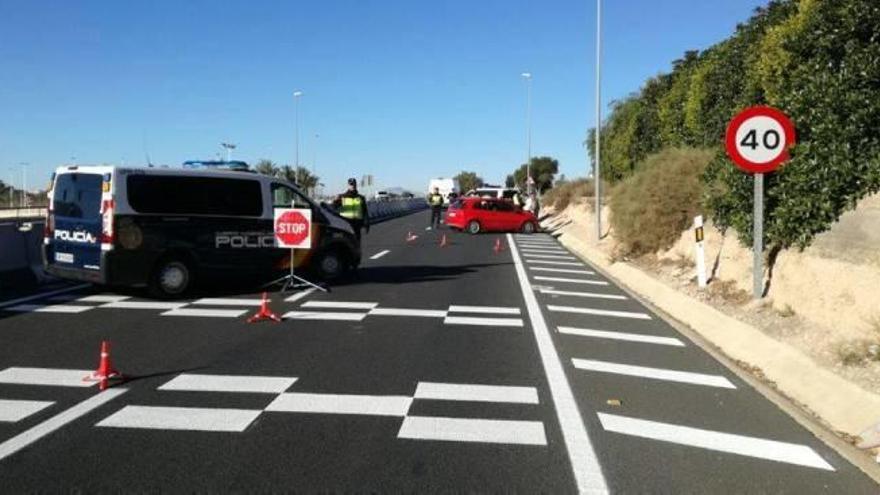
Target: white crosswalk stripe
x,y
572,280
558,263
550,256
561,270
498,310
220,301
54,308
490,322
104,298
476,393
211,313
426,313
229,383
773,450
593,295
182,418
142,305
52,377
12,410
340,305
473,430
373,405
631,337
600,312
530,251
324,315
300,295
653,373
379,254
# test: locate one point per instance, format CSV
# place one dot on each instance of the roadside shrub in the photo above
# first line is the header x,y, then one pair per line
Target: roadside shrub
x,y
650,209
563,194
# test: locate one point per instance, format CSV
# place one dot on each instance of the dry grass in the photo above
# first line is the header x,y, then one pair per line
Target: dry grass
x,y
861,352
786,312
564,194
727,291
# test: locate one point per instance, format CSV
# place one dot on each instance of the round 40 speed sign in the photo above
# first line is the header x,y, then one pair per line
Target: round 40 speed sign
x,y
758,139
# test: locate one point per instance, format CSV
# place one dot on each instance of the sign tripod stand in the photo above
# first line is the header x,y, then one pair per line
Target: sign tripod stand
x,y
293,229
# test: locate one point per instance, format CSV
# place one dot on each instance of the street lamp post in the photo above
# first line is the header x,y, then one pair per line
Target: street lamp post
x,y
24,200
296,95
597,165
228,147
528,77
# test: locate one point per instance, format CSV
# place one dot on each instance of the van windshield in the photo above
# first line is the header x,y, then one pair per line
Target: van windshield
x,y
77,195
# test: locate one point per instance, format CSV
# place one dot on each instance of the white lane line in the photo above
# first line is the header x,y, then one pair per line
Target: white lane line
x,y
495,310
558,263
142,305
324,315
550,256
53,377
39,431
473,430
373,405
760,448
630,337
220,301
53,308
594,295
210,313
572,280
181,418
230,383
340,305
300,295
427,313
653,373
380,254
477,393
561,270
12,410
581,454
41,295
487,322
600,312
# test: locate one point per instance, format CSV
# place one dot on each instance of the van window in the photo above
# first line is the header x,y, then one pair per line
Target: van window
x,y
186,195
284,197
77,195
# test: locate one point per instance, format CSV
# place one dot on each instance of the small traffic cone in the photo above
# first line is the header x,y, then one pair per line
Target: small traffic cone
x,y
443,242
498,247
410,237
105,370
264,313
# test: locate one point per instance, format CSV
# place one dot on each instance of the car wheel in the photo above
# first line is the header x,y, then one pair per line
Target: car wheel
x,y
171,278
528,228
474,227
331,264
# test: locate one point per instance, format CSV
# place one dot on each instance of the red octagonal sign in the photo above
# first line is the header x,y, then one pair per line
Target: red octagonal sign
x,y
758,139
292,228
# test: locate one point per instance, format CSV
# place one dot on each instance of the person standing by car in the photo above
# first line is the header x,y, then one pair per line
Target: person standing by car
x,y
532,204
435,199
352,206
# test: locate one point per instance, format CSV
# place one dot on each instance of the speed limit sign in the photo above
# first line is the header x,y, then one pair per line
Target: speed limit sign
x,y
758,139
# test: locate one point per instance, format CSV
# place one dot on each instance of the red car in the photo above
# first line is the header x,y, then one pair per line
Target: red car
x,y
476,215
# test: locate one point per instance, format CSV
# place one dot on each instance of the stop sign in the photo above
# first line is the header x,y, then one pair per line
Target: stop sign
x,y
293,228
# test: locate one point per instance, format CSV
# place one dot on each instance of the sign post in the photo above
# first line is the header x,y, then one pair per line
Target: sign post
x,y
293,230
757,140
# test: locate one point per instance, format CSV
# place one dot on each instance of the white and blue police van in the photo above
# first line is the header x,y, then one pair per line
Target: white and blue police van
x,y
164,228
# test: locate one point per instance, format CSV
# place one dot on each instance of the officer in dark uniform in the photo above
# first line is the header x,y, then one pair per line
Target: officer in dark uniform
x,y
435,199
352,206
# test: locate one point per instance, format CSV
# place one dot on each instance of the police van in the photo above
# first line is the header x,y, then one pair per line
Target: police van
x,y
167,228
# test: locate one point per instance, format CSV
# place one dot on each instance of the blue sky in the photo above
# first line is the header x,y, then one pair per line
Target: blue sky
x,y
404,90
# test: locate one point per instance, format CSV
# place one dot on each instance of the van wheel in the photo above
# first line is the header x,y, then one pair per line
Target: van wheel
x,y
171,278
474,227
528,228
331,264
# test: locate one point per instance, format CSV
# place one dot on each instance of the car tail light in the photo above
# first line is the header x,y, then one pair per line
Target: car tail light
x,y
49,228
107,224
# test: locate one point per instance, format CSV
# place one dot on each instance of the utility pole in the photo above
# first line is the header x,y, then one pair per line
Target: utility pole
x,y
528,77
296,95
597,166
24,199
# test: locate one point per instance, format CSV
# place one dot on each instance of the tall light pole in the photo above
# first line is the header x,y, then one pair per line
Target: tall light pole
x,y
528,77
315,163
597,165
228,147
296,95
24,184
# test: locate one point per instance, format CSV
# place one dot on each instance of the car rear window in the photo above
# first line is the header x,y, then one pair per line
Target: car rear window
x,y
182,195
457,205
77,195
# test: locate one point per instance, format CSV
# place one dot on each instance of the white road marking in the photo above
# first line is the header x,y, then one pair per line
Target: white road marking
x,y
630,337
572,280
477,393
210,313
581,454
559,263
142,305
39,431
220,301
340,305
324,315
600,312
380,254
300,295
497,310
12,410
550,256
488,322
103,298
374,405
230,383
53,308
41,295
473,430
428,313
653,373
773,450
181,418
581,294
53,377
561,270
533,251
537,244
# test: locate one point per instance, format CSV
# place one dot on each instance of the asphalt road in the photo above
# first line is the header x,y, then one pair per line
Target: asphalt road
x,y
453,369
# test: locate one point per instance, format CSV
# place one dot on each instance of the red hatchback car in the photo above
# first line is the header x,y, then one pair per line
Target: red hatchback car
x,y
476,215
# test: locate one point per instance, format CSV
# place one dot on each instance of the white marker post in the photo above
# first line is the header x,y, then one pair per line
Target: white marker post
x,y
700,254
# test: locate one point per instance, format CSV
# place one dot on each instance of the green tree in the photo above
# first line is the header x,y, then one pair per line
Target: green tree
x,y
266,167
543,169
468,180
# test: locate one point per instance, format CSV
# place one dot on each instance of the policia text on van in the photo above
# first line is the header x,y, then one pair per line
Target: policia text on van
x,y
166,228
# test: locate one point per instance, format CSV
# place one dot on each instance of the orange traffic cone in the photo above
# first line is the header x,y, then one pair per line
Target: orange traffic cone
x,y
264,313
410,237
443,242
498,247
105,370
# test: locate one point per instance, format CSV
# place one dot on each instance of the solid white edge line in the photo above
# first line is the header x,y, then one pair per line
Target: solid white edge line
x,y
653,373
300,295
380,254
584,463
472,392
629,337
501,431
40,430
599,312
773,450
20,300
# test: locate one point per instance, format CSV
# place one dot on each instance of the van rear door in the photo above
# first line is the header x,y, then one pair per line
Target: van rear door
x,y
75,232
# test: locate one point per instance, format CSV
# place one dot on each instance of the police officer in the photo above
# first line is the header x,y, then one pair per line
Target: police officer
x,y
352,206
435,199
